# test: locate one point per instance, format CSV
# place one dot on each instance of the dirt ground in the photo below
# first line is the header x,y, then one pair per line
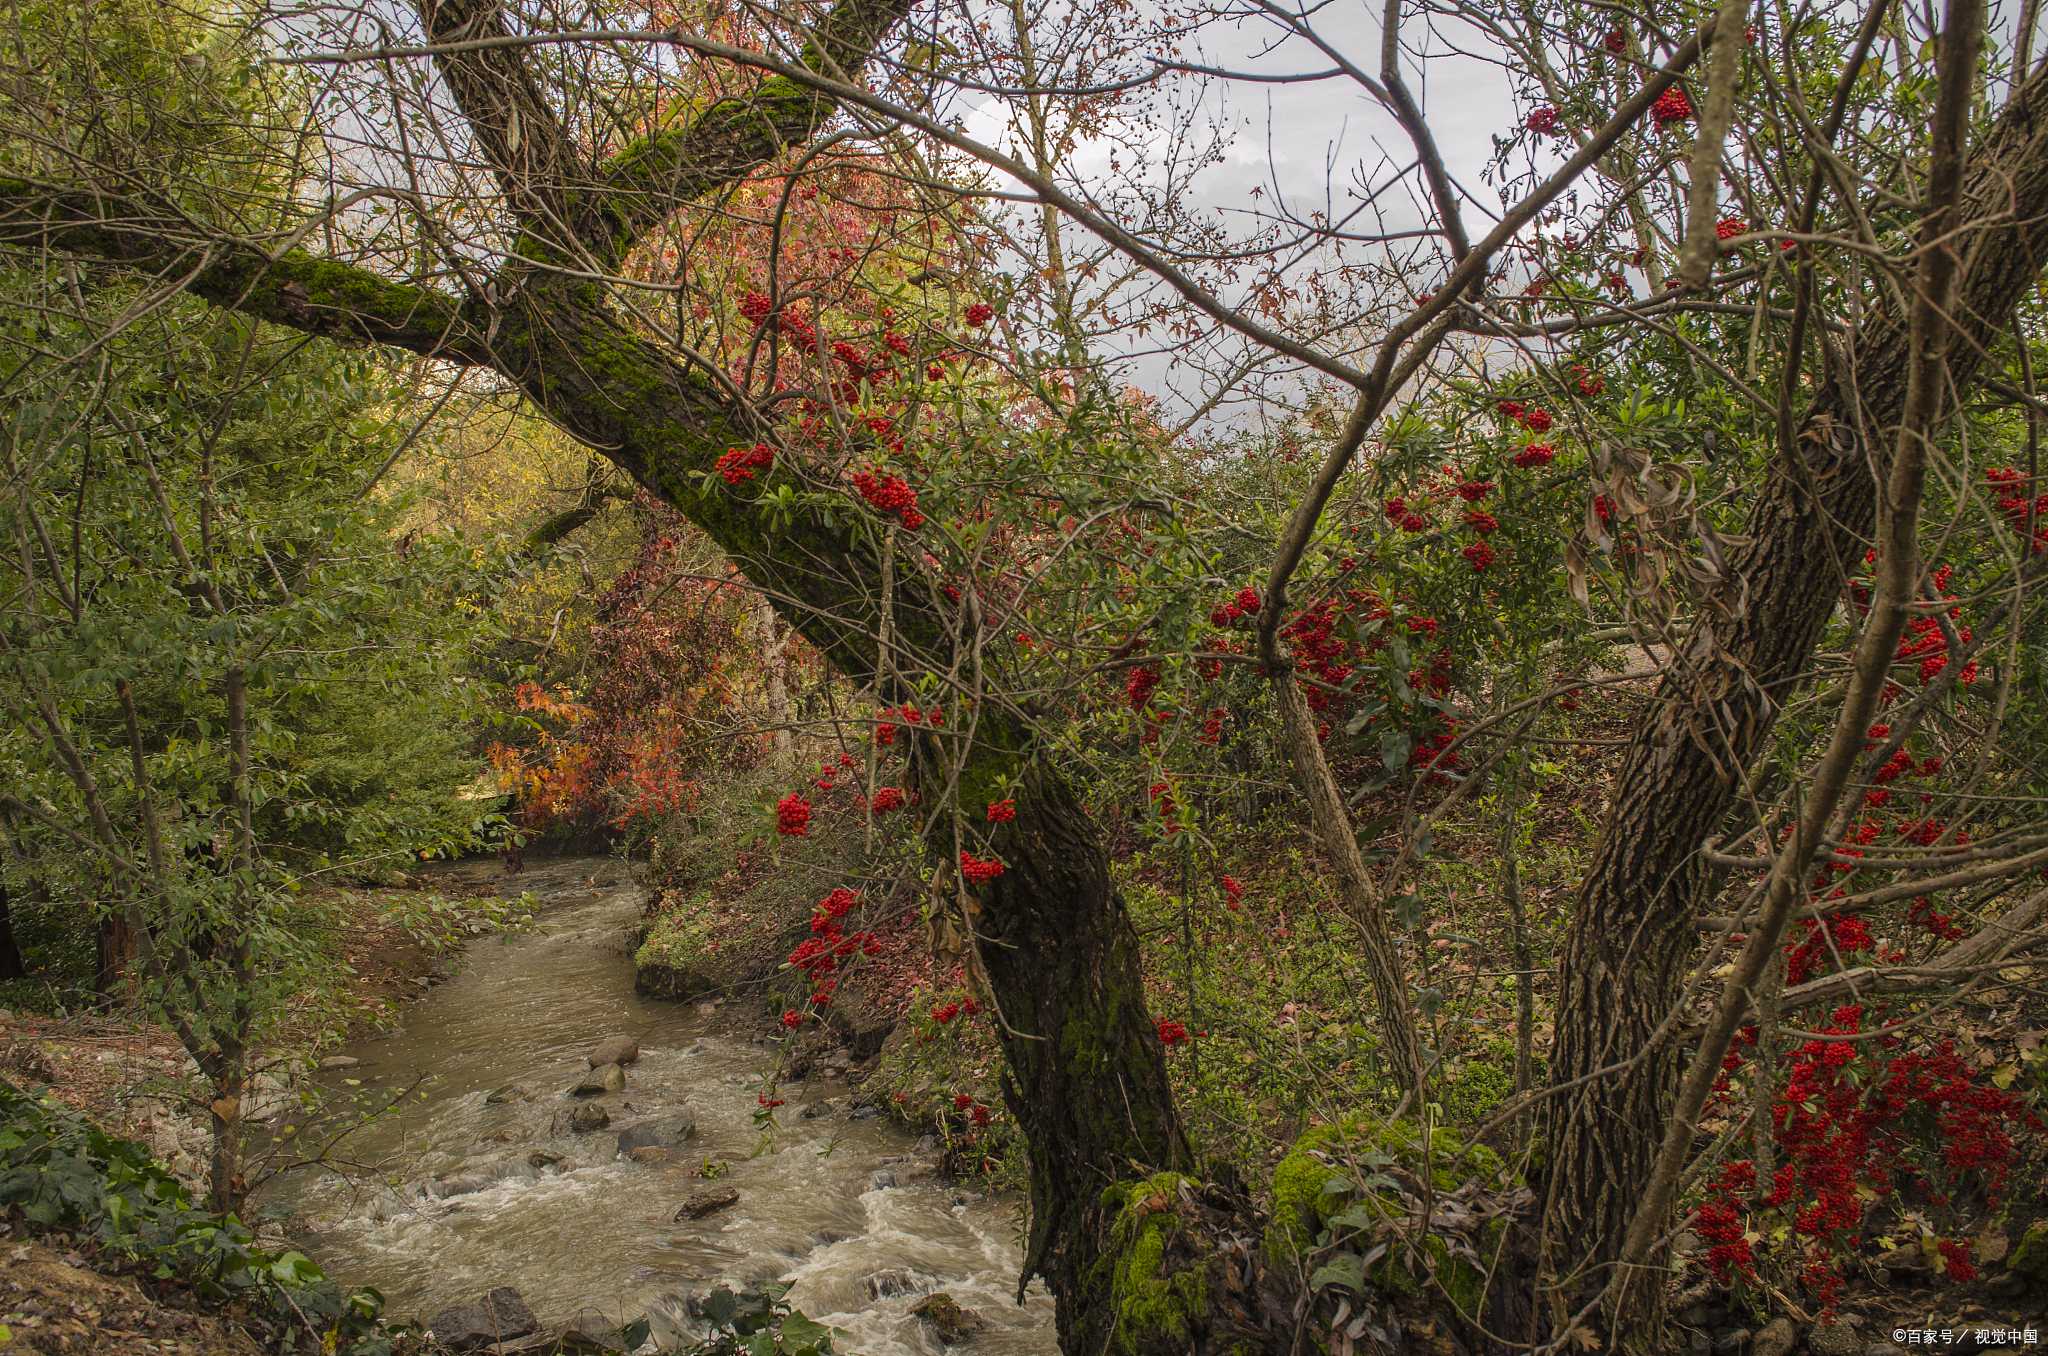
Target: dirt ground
x,y
54,1299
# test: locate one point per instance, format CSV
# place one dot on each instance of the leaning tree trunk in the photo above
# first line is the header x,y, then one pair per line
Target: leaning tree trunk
x,y
1089,1077
1632,939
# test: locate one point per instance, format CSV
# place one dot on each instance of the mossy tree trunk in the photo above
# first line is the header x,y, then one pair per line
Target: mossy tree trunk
x,y
1089,1077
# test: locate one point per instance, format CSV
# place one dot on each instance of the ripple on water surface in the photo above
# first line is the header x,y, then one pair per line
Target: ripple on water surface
x,y
598,1232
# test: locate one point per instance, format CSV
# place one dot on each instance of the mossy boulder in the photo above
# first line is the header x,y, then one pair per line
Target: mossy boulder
x,y
950,1323
2030,1258
674,959
1320,1177
1345,1181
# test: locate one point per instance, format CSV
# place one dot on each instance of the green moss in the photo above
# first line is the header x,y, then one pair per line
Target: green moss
x,y
2030,1258
1480,1085
673,960
1148,1311
1302,1206
951,1324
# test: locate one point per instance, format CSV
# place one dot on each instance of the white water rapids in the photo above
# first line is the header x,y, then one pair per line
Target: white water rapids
x,y
596,1232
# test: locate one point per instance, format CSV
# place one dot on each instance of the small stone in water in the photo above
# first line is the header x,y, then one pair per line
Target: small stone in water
x,y
497,1316
340,1062
951,1324
614,1050
698,1204
606,1078
590,1116
647,1153
511,1092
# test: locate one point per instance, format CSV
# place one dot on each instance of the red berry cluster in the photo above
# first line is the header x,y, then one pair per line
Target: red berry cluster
x,y
1590,383
1232,890
1671,106
1533,456
1840,1122
1002,811
890,494
738,464
1727,228
1171,1032
1842,936
1139,686
1938,925
977,870
1322,651
1479,554
980,313
1616,41
820,954
792,815
887,799
1529,417
1430,753
1245,604
1402,516
1719,1224
2014,502
1924,639
1542,120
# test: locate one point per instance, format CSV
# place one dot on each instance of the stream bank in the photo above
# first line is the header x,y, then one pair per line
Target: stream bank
x,y
486,1180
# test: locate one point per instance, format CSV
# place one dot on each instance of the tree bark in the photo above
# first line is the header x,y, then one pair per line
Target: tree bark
x,y
10,954
114,945
1631,941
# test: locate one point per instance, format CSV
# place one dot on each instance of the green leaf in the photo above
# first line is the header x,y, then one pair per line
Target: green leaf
x,y
1346,1269
797,1328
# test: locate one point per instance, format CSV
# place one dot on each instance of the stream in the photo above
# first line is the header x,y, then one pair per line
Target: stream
x,y
596,1232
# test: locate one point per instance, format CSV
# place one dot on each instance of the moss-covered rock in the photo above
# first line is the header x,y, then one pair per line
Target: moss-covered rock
x,y
1344,1181
1321,1175
2030,1258
674,959
950,1323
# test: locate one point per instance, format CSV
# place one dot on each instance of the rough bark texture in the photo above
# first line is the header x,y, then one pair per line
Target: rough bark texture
x,y
1631,943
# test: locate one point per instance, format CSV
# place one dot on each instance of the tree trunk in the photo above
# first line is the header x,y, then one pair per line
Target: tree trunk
x,y
10,954
115,945
774,646
1633,939
1089,1082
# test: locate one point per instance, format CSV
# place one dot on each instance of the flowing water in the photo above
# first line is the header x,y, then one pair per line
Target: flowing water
x,y
596,1233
